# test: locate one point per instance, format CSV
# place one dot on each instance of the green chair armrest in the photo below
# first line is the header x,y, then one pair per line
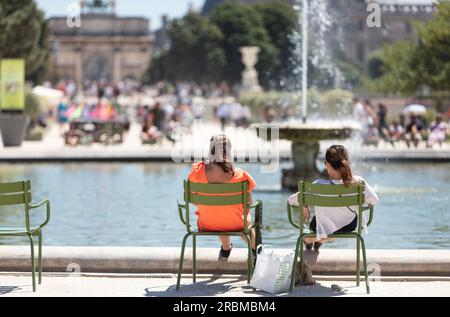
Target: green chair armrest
x,y
289,211
180,212
184,216
370,208
258,206
47,218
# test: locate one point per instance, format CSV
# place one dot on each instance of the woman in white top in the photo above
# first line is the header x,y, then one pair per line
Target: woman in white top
x,y
329,220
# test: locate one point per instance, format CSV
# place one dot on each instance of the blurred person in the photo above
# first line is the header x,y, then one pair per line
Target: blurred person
x,y
413,131
197,110
150,134
372,118
268,114
159,116
62,111
437,132
395,132
359,112
246,116
288,114
223,113
371,135
236,114
382,121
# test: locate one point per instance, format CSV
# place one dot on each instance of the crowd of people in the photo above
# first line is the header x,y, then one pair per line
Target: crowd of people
x,y
167,120
410,127
168,111
234,112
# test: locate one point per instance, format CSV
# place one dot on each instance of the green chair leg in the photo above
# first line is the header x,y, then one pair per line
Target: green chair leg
x,y
33,267
40,257
194,258
302,259
365,264
291,288
249,258
358,261
180,266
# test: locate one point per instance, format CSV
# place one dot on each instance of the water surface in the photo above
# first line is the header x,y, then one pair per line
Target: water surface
x,y
134,204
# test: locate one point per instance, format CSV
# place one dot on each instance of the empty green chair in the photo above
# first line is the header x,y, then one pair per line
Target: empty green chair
x,y
18,193
331,196
218,195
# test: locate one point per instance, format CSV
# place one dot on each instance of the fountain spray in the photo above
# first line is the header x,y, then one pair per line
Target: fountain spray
x,y
304,58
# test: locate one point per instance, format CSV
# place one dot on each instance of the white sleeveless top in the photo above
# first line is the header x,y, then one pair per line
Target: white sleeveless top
x,y
331,219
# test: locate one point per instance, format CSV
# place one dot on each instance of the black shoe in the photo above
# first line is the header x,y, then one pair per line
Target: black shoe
x,y
224,254
317,245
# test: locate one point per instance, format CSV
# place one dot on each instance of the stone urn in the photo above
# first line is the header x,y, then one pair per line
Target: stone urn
x,y
250,81
13,128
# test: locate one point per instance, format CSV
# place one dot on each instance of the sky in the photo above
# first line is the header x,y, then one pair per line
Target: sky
x,y
152,9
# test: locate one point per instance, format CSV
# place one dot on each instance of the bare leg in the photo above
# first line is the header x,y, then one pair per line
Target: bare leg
x,y
226,244
312,240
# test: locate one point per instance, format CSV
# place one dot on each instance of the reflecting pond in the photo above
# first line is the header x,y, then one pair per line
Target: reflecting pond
x,y
134,204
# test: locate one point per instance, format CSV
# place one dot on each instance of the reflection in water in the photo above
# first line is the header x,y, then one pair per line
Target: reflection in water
x,y
135,204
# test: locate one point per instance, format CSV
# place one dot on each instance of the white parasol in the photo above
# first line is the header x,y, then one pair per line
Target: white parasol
x,y
415,109
52,96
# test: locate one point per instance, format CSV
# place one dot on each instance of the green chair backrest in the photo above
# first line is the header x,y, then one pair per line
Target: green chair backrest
x,y
17,193
218,195
328,195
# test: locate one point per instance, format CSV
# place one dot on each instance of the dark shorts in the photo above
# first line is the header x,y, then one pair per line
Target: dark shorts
x,y
348,228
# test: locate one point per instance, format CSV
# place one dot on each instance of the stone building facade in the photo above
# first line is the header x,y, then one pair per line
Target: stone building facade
x,y
105,46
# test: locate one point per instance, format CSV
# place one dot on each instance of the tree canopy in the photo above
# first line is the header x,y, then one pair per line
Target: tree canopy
x,y
196,53
208,48
409,66
24,35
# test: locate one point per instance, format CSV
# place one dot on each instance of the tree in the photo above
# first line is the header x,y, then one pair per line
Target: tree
x,y
407,67
24,35
195,54
280,21
242,25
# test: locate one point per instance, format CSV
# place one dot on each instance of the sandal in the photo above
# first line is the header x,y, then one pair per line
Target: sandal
x,y
317,245
308,246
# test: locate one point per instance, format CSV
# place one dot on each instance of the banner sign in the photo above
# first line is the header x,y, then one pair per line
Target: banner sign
x,y
12,84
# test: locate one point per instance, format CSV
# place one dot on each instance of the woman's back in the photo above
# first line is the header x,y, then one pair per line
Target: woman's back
x,y
216,175
219,218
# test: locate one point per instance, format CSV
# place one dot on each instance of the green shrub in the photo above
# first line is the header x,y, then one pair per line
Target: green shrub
x,y
33,106
334,103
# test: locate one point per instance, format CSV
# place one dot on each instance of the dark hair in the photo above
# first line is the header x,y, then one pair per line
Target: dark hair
x,y
220,150
337,157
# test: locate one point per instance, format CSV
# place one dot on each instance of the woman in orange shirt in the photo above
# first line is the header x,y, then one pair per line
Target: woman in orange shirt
x,y
220,170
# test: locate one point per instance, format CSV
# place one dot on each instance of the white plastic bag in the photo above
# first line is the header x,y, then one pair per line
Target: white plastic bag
x,y
272,273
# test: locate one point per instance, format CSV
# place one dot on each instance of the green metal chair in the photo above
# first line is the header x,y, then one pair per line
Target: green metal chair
x,y
218,195
331,196
18,193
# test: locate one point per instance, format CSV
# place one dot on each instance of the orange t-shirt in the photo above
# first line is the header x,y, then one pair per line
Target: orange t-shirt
x,y
220,218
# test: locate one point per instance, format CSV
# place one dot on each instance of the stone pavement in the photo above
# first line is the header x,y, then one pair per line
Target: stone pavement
x,y
117,285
